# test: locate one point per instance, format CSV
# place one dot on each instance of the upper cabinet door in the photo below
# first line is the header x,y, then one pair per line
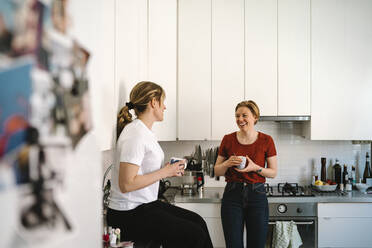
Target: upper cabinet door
x,y
227,64
294,57
162,61
130,47
261,54
341,70
194,69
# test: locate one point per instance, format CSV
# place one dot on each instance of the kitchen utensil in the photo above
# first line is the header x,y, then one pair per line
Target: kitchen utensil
x,y
211,162
207,164
199,155
214,162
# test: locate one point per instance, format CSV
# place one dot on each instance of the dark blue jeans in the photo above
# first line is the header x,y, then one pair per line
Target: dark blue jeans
x,y
244,204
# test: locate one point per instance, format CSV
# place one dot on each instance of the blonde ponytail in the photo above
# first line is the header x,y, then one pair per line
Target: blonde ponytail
x,y
124,117
141,94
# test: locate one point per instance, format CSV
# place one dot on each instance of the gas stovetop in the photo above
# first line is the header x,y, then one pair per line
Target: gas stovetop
x,y
288,190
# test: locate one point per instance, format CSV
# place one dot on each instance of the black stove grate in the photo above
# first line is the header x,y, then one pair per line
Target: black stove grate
x,y
288,190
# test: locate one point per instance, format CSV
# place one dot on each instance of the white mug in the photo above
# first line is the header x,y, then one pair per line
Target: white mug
x,y
174,160
242,164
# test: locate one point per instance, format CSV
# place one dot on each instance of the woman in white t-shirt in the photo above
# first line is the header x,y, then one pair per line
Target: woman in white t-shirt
x,y
133,206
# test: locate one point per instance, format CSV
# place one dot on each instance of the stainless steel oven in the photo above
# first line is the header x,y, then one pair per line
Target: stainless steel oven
x,y
304,216
287,203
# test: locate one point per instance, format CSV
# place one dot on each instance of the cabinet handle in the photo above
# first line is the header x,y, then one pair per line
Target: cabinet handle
x,y
297,223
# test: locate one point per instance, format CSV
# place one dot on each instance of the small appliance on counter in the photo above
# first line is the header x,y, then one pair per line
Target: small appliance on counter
x,y
192,181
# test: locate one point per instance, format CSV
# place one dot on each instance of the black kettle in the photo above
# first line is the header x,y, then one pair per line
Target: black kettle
x,y
163,186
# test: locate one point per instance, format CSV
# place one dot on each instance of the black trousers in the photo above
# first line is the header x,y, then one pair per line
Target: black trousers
x,y
168,225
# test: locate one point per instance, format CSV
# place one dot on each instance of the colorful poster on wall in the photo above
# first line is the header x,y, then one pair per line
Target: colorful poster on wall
x,y
44,110
14,106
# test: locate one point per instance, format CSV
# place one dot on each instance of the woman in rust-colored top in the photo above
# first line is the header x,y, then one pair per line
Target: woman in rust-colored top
x,y
244,201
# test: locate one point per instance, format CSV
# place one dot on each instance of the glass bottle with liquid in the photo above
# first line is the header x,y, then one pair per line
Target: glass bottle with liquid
x,y
337,172
367,170
345,176
315,174
353,175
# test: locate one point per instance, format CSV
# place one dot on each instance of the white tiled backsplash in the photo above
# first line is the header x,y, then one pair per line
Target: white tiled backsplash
x,y
296,154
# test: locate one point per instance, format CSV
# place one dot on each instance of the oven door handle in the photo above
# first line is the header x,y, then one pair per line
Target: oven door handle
x,y
296,222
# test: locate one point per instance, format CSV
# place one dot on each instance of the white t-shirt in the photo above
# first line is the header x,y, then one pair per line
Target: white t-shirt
x,y
137,145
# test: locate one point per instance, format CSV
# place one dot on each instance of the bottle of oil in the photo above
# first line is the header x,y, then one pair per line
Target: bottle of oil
x,y
337,172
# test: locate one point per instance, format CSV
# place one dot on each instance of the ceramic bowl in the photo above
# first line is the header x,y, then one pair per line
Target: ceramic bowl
x,y
326,187
362,187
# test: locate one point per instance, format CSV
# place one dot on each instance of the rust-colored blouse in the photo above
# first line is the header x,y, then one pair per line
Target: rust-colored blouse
x,y
258,151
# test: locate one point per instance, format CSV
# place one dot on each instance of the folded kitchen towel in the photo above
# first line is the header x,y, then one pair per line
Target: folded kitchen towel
x,y
286,235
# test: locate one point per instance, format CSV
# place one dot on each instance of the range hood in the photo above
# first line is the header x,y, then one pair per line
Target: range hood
x,y
285,118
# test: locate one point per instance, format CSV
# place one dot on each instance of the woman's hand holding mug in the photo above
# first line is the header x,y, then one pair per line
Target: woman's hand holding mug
x,y
251,166
233,161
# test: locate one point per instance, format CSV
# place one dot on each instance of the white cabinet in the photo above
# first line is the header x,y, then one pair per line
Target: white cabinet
x,y
344,224
261,54
341,54
146,49
194,69
211,54
162,61
211,213
130,47
227,64
277,56
293,57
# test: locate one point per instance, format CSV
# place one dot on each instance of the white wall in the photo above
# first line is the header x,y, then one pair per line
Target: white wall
x,y
296,155
82,194
93,27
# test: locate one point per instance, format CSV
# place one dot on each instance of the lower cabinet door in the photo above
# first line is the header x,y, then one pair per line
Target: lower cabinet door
x,y
211,213
216,232
344,232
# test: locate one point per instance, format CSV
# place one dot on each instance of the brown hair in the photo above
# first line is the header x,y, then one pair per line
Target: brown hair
x,y
141,94
252,106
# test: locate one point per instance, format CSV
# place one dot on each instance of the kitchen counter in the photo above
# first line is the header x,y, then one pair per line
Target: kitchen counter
x,y
214,195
